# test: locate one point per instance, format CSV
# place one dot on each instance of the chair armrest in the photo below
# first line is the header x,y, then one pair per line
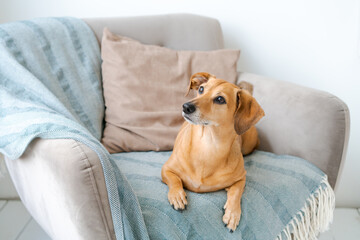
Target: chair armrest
x,y
302,122
61,183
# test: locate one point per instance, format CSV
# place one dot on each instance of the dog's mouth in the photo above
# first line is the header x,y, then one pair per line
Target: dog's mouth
x,y
187,118
194,122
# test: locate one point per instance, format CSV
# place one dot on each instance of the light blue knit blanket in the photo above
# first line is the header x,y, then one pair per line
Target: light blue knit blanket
x,y
283,195
50,87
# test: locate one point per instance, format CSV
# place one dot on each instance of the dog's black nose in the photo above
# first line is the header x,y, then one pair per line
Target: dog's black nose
x,y
189,108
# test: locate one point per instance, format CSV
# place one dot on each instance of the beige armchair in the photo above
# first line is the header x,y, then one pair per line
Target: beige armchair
x,y
61,181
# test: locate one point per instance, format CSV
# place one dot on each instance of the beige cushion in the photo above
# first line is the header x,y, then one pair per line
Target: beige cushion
x,y
145,87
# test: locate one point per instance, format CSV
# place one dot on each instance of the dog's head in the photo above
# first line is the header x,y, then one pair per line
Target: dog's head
x,y
219,102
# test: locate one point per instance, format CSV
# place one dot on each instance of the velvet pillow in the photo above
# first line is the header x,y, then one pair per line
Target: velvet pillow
x,y
145,87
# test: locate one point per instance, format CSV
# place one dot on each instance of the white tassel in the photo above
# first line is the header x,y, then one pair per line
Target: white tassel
x,y
314,218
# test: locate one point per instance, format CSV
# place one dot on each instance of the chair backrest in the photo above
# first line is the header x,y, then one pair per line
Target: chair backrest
x,y
175,31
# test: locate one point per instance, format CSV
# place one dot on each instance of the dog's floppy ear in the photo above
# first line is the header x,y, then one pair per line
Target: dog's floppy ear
x,y
247,113
197,79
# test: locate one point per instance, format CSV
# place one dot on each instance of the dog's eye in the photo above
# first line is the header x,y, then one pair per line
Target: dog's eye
x,y
201,89
219,100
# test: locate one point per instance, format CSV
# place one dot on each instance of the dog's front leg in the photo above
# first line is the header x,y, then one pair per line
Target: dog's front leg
x,y
232,206
176,195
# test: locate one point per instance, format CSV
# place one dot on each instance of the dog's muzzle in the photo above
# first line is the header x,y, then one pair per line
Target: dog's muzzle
x,y
193,115
189,108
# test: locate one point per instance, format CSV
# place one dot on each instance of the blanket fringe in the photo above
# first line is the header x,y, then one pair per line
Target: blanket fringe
x,y
314,218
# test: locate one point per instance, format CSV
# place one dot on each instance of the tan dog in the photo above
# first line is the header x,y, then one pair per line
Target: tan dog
x,y
208,151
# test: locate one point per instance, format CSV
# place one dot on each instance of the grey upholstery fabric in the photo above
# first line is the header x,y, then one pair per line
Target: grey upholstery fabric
x,y
7,188
62,184
302,122
175,31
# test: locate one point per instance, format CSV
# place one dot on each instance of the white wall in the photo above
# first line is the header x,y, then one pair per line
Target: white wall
x,y
315,43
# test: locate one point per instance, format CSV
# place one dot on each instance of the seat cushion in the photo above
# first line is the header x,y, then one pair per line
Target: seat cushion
x,y
277,189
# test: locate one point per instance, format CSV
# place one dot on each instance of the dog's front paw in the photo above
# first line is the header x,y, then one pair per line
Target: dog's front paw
x,y
177,198
232,216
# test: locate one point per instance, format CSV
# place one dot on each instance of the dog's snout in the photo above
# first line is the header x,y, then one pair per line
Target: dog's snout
x,y
189,108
